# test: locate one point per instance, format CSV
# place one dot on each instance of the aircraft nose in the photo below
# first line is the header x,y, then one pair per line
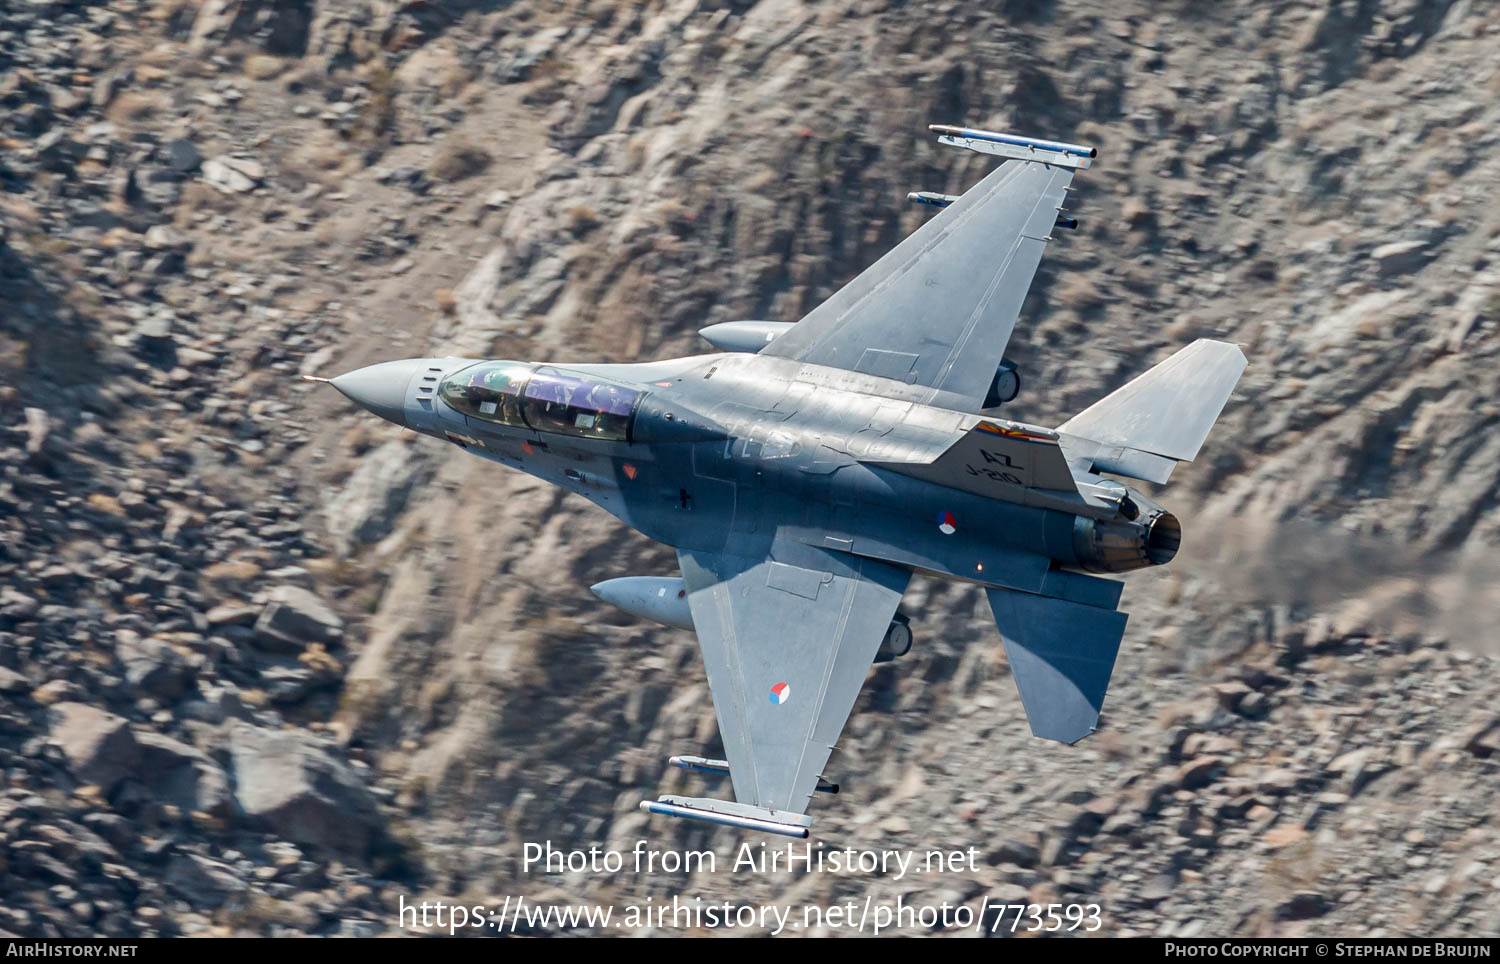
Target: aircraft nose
x,y
381,388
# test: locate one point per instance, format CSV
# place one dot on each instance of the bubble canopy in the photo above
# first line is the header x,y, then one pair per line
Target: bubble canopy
x,y
542,398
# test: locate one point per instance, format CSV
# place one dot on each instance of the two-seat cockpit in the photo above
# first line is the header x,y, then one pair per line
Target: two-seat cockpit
x,y
542,398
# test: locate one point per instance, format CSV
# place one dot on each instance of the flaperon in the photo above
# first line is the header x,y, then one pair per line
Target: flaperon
x,y
807,471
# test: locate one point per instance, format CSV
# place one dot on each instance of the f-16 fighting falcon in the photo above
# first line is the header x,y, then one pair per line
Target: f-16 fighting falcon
x,y
808,469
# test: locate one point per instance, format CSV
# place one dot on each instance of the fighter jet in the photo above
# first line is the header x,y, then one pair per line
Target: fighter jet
x,y
808,469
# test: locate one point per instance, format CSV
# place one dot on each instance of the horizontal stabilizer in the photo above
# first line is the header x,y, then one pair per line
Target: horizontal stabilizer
x,y
996,458
1162,417
1061,654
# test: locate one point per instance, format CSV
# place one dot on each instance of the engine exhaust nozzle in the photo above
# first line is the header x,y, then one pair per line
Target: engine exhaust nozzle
x,y
1143,534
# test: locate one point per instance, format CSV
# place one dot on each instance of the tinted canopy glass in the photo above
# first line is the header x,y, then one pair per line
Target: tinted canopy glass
x,y
488,390
573,404
545,399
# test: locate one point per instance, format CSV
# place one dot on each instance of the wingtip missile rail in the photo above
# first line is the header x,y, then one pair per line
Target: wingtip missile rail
x,y
1016,146
729,814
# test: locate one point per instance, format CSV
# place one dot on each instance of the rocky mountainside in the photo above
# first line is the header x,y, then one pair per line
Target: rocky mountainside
x,y
269,665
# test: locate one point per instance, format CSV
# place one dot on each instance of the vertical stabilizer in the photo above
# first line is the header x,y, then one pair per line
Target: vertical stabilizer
x,y
1160,418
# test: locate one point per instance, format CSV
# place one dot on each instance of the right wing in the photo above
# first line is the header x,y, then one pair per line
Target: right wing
x,y
787,650
938,309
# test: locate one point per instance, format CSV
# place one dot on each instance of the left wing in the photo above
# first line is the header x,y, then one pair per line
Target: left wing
x,y
786,650
939,308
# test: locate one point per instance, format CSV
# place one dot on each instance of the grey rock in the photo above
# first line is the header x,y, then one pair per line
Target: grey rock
x,y
1400,257
183,776
232,615
154,332
16,604
182,156
203,880
295,785
1198,773
38,429
152,666
369,503
99,745
117,830
58,152
294,617
286,685
228,174
1158,888
164,237
12,682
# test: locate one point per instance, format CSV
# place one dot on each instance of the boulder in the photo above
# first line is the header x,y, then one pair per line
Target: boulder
x,y
12,682
98,744
164,237
1400,257
152,666
294,617
231,175
202,880
1198,773
183,776
182,156
295,786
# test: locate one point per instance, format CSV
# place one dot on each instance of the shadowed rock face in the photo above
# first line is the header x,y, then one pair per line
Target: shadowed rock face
x,y
249,636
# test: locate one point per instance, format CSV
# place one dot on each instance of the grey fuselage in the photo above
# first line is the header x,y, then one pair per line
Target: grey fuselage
x,y
755,456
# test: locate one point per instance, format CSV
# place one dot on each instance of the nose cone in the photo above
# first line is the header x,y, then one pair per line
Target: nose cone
x,y
381,388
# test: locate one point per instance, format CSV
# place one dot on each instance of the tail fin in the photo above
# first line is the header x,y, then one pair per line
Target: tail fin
x,y
1146,426
997,459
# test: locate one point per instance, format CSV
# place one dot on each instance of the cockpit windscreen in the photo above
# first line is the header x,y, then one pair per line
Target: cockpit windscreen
x,y
488,390
545,399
